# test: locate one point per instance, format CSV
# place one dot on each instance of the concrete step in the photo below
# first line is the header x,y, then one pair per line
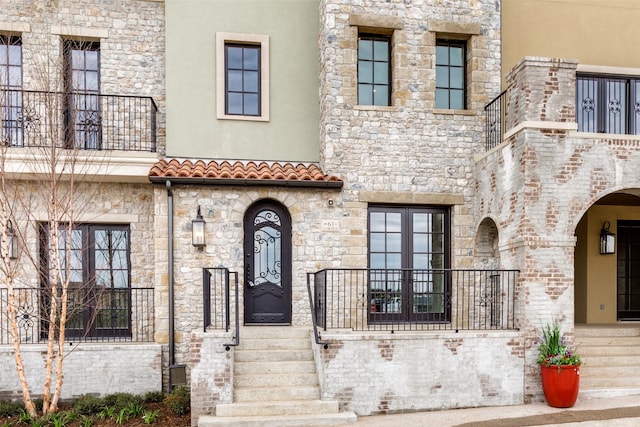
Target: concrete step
x,y
274,332
271,367
273,355
611,382
266,408
614,349
275,380
258,394
583,331
583,342
279,421
248,344
592,361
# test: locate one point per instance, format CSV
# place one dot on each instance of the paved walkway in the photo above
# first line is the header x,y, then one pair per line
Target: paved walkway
x,y
587,412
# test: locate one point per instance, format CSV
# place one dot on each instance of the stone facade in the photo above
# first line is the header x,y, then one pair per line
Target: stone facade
x,y
110,187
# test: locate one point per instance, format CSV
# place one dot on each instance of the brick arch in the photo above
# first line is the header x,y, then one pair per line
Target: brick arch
x,y
579,209
486,244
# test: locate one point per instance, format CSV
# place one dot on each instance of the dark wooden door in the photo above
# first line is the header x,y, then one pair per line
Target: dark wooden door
x,y
267,248
628,270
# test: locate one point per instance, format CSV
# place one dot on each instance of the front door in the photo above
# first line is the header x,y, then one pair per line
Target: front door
x,y
267,248
628,270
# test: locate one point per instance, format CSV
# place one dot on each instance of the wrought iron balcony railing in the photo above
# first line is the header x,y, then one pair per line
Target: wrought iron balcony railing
x,y
495,113
413,300
85,121
96,315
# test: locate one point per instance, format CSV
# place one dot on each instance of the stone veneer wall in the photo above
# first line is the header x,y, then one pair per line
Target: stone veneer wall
x,y
385,373
131,36
538,185
136,366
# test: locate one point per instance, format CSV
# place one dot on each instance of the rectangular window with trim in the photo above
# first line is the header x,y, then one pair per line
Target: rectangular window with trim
x,y
95,260
608,104
451,71
242,79
374,69
408,258
242,76
11,90
83,117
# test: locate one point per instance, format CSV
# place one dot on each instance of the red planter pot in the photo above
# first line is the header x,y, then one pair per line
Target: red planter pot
x,y
561,384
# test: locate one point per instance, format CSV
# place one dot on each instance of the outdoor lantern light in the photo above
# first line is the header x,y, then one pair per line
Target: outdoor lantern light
x,y
607,240
12,241
197,230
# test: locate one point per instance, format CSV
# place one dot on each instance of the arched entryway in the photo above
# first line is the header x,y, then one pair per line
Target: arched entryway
x,y
607,285
267,264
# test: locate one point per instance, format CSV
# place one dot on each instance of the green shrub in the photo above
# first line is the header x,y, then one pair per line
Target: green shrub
x,y
153,397
149,417
9,409
88,405
121,400
178,401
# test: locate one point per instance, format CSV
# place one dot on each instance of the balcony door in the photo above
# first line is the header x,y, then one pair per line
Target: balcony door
x,y
267,248
408,258
83,119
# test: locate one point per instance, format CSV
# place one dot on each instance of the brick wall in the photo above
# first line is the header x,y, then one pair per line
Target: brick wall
x,y
385,373
98,369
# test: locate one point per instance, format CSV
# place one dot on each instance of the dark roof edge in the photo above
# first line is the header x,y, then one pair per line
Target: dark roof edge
x,y
246,182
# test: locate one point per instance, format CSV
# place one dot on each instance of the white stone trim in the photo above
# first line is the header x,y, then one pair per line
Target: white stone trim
x,y
605,69
256,39
67,30
538,124
15,27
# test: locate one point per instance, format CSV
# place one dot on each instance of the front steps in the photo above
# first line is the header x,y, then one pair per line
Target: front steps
x,y
275,383
611,359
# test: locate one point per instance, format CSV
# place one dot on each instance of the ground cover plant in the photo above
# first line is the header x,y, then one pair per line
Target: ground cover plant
x,y
118,409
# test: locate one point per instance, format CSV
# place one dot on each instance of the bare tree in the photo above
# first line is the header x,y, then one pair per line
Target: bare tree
x,y
55,129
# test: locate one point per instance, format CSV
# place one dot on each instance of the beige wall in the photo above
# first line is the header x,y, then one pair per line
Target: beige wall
x,y
193,130
575,29
596,284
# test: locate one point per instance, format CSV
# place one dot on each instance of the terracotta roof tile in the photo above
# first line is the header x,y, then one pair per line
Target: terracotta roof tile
x,y
250,173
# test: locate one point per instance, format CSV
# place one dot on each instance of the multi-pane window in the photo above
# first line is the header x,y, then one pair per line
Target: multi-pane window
x,y
374,69
11,89
94,259
82,109
408,255
450,74
608,104
242,79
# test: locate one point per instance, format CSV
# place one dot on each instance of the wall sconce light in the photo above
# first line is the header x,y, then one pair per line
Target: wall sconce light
x,y
12,241
607,240
197,231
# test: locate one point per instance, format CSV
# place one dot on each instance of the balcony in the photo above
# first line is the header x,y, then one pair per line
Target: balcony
x,y
82,121
413,300
103,315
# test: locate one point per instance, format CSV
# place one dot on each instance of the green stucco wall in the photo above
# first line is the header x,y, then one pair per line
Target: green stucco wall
x,y
193,131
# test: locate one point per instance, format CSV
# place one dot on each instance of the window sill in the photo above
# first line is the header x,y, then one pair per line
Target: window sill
x,y
376,108
454,112
244,118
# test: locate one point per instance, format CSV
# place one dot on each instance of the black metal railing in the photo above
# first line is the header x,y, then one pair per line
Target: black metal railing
x,y
84,121
495,113
412,300
98,315
220,301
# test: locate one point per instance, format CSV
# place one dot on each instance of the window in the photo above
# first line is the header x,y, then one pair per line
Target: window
x,y
450,74
82,110
608,104
408,252
242,83
11,89
374,69
98,270
242,79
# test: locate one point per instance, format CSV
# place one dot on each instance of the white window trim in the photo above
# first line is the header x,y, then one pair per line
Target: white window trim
x,y
256,39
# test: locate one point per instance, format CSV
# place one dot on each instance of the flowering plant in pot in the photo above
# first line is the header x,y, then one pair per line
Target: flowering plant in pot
x,y
560,368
